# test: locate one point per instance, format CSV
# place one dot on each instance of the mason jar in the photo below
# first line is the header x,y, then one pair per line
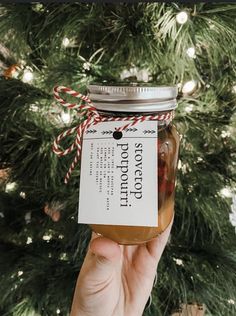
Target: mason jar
x,y
127,101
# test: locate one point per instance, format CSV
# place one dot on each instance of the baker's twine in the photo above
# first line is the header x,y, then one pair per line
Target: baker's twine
x,y
92,118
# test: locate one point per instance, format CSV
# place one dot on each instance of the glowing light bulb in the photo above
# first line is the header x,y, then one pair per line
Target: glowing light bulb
x,y
234,89
19,273
225,134
226,192
191,52
10,186
189,87
66,42
58,311
29,240
28,76
189,108
65,116
63,256
47,237
179,164
182,17
230,301
179,262
22,194
38,7
86,65
34,108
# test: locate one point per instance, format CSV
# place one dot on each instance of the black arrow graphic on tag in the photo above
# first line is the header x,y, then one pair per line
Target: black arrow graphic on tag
x,y
107,132
131,129
149,132
91,131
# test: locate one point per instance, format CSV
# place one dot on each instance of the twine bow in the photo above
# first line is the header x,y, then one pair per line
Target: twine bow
x,y
92,118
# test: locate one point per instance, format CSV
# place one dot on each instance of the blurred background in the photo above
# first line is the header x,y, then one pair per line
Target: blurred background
x,y
41,245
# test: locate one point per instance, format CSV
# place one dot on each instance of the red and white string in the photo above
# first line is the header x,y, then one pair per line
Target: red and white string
x,y
92,118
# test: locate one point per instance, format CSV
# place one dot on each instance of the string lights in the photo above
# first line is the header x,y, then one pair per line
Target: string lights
x,y
179,262
189,108
29,240
86,65
65,42
225,134
34,108
189,87
182,17
191,52
66,117
23,195
10,187
46,237
28,76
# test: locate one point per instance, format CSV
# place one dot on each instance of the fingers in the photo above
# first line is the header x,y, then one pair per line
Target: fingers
x,y
157,245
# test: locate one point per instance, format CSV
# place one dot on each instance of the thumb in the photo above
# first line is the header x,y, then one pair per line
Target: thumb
x,y
105,254
106,250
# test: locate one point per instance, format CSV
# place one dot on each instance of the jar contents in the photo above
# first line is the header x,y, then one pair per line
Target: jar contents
x,y
168,147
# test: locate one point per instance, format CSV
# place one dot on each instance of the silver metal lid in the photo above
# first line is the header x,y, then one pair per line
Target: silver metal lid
x,y
133,98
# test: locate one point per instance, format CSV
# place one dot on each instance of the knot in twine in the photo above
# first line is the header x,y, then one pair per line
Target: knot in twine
x,y
92,118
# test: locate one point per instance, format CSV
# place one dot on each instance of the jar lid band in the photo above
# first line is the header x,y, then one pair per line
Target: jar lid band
x,y
136,107
133,98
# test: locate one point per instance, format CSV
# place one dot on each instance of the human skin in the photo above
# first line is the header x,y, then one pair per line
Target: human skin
x,y
116,280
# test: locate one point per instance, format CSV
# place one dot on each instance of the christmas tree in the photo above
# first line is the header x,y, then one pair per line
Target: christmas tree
x,y
190,45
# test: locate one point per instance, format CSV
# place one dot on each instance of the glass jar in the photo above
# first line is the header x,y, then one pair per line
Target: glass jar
x,y
128,101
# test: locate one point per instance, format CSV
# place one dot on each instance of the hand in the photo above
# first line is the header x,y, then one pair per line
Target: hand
x,y
117,280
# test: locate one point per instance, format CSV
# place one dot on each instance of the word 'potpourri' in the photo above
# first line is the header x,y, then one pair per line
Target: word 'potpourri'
x,y
124,177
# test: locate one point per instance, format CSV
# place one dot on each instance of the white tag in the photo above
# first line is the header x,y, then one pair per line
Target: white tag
x,y
118,179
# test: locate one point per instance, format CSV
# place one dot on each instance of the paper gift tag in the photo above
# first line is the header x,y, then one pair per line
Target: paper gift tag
x,y
118,180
